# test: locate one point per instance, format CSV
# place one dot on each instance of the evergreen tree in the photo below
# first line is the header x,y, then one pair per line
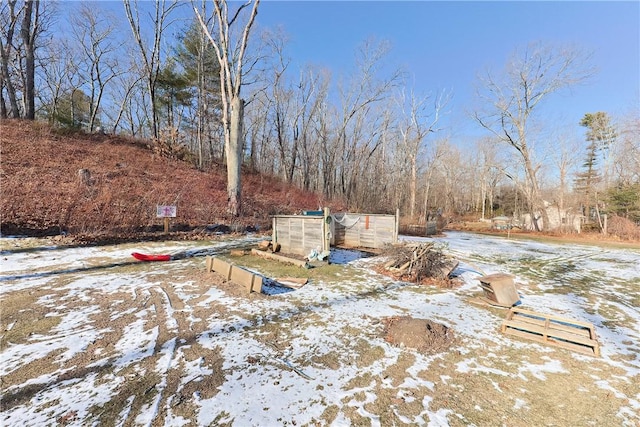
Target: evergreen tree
x,y
586,180
72,110
601,132
197,57
624,200
172,88
601,135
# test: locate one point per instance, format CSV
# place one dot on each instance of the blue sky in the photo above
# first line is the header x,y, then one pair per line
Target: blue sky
x,y
445,45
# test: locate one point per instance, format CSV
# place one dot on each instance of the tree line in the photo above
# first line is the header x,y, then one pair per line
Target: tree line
x,y
207,85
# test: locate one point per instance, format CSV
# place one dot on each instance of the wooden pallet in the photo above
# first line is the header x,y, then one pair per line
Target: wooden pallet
x,y
552,330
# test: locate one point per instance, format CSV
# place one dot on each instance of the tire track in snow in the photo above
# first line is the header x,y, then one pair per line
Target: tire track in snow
x,y
168,361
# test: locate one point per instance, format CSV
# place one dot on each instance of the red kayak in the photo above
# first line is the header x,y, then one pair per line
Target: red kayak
x,y
147,257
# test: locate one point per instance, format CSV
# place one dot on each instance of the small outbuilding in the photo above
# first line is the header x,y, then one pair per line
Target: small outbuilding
x,y
319,230
501,223
559,219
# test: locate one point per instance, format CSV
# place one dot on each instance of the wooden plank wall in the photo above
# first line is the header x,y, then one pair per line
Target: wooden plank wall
x,y
369,230
250,281
298,234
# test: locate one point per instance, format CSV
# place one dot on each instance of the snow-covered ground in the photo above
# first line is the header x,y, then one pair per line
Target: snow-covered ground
x,y
119,342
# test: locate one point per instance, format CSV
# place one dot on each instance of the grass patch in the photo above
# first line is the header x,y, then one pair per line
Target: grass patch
x,y
361,381
330,413
330,273
368,354
142,388
21,318
26,326
23,244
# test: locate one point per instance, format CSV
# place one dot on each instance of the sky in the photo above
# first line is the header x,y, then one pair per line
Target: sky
x,y
446,45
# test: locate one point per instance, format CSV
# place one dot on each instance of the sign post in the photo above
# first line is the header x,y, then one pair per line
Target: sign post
x,y
166,212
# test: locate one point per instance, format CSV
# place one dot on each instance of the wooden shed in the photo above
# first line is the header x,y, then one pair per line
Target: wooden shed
x,y
318,230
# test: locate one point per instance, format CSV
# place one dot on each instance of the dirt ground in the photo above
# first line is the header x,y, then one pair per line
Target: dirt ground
x,y
368,349
423,335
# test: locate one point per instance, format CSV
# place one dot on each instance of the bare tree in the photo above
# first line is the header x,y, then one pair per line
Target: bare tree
x,y
94,32
312,94
417,123
126,85
61,93
293,108
29,30
259,134
359,101
8,20
529,79
489,173
626,154
18,57
151,55
231,58
451,169
436,153
57,71
564,158
282,114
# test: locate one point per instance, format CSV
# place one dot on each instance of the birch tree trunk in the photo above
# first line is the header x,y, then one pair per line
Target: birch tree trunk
x,y
234,151
231,58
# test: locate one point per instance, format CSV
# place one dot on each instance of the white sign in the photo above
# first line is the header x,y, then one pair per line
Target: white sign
x,y
165,211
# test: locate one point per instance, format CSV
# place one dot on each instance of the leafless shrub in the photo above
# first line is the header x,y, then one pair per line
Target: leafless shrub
x,y
624,228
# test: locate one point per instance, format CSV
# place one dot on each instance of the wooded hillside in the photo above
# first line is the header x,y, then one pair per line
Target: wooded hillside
x,y
78,183
367,135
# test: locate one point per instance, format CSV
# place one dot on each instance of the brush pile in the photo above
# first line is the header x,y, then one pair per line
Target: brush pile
x,y
420,264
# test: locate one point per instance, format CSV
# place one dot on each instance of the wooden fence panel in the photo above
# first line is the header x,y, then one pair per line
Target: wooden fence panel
x,y
364,230
299,234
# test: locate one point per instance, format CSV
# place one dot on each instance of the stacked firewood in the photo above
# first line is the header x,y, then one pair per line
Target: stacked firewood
x,y
419,262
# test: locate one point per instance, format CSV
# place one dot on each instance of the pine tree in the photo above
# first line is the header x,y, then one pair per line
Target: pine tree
x,y
586,180
198,59
601,135
172,90
624,200
72,110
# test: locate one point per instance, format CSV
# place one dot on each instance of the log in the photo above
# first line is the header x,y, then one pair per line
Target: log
x,y
389,263
404,266
238,252
449,267
292,282
264,245
280,258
